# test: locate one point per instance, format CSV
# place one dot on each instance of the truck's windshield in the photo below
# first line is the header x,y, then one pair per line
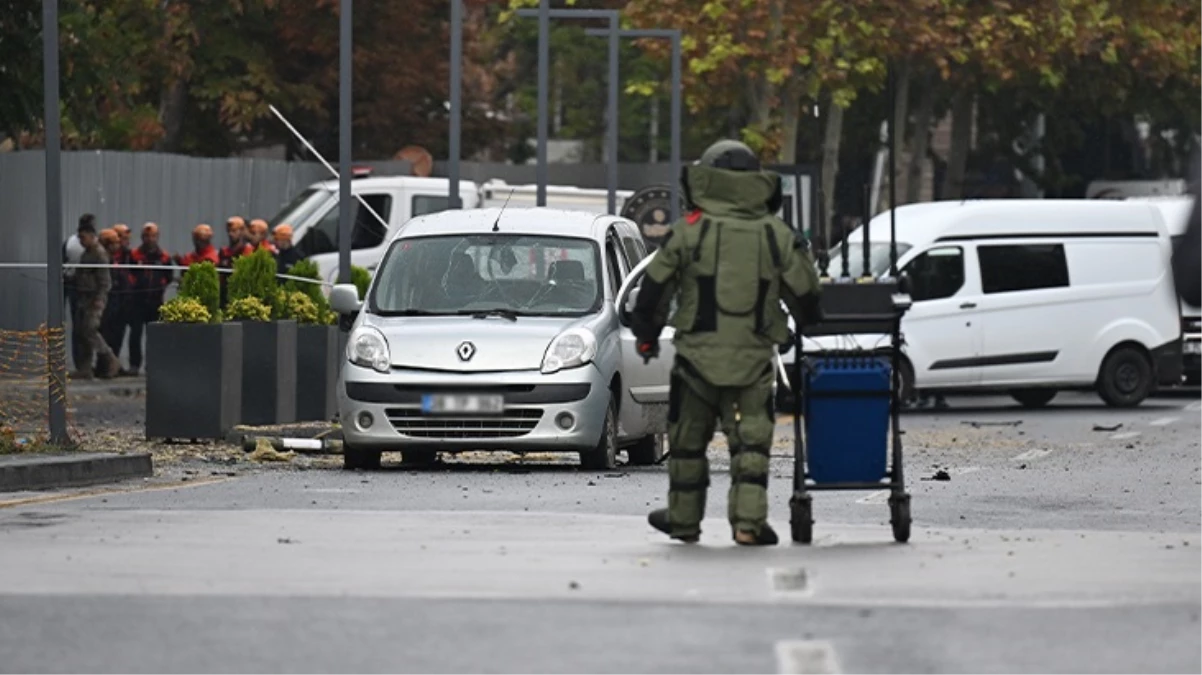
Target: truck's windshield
x,y
301,207
878,259
465,274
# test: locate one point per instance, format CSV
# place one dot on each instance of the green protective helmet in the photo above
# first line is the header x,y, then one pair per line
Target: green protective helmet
x,y
730,155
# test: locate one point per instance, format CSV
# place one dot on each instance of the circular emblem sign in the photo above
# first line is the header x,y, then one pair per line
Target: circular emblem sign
x,y
651,209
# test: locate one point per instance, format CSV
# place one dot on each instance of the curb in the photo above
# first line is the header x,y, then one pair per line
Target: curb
x,y
53,471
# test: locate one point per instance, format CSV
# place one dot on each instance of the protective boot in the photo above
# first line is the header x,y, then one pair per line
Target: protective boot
x,y
766,537
659,520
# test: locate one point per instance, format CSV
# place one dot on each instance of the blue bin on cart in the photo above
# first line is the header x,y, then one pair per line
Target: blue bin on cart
x,y
847,419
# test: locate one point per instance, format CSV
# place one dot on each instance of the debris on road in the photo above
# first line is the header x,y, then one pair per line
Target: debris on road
x,y
940,475
977,425
284,540
266,452
573,585
1103,427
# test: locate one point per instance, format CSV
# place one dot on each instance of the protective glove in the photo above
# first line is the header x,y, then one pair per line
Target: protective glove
x,y
648,349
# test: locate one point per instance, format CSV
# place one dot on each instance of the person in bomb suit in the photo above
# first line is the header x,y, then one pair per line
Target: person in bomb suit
x,y
729,262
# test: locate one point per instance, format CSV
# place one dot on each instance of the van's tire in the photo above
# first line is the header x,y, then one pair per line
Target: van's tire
x,y
649,450
1126,378
906,393
605,455
355,458
1033,398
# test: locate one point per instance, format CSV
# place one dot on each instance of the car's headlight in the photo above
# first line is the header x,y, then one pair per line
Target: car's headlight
x,y
570,349
367,347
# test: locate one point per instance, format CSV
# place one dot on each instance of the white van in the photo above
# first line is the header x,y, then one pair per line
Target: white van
x,y
1176,212
495,193
1029,297
313,215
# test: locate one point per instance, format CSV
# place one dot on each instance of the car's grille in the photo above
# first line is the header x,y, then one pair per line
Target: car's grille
x,y
512,423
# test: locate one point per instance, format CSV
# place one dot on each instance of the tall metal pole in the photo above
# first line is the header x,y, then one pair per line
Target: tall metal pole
x,y
611,179
345,74
892,173
456,86
676,94
544,39
56,353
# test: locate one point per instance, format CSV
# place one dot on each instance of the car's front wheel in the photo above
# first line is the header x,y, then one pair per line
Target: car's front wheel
x,y
1126,378
649,450
605,454
418,457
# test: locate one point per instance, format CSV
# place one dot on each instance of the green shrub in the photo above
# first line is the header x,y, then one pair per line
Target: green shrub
x,y
248,308
361,278
307,269
184,310
200,283
298,307
254,277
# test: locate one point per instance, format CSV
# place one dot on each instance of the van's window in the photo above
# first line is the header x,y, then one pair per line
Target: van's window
x,y
301,207
878,258
367,232
1022,267
424,204
936,274
472,273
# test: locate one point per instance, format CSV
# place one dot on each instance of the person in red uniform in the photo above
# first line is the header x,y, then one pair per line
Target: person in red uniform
x,y
149,286
288,255
112,322
126,305
202,237
259,236
235,228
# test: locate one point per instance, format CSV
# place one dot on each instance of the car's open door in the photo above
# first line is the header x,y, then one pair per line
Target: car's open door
x,y
646,384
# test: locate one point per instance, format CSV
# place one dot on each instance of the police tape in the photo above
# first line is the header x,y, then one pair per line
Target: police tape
x,y
183,268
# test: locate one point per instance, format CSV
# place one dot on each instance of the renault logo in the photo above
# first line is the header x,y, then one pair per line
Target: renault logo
x,y
466,351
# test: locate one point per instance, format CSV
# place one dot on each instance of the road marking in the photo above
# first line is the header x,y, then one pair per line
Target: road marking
x,y
49,499
1196,405
961,470
1125,435
806,657
878,497
1163,421
1031,454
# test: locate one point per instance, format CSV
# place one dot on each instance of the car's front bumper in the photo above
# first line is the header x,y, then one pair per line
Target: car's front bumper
x,y
535,407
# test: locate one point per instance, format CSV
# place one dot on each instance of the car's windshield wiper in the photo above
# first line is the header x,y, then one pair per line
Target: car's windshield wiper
x,y
485,313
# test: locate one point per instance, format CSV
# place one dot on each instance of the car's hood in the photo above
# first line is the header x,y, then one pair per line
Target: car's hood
x,y
465,344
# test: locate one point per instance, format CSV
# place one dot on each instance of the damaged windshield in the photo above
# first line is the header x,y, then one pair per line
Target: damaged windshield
x,y
489,274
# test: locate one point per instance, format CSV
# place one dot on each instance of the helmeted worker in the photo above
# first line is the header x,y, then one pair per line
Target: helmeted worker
x,y
287,255
149,287
92,285
259,231
72,253
202,248
123,234
238,246
112,322
729,262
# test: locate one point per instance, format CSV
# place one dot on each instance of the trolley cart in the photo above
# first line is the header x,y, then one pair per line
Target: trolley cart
x,y
850,402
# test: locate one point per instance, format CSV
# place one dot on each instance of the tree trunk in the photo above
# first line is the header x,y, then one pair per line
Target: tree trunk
x,y
831,141
957,160
901,108
790,119
920,140
171,115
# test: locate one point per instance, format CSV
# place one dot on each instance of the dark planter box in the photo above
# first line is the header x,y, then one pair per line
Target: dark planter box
x,y
268,372
193,379
316,372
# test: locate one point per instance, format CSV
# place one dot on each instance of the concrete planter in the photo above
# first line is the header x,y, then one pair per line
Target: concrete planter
x,y
193,379
316,372
268,372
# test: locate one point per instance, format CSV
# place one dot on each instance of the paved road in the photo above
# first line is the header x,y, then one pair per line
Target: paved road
x,y
1054,547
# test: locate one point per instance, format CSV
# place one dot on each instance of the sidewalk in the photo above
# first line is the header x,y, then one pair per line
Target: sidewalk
x,y
37,471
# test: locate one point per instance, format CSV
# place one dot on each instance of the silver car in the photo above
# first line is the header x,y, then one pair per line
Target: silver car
x,y
489,329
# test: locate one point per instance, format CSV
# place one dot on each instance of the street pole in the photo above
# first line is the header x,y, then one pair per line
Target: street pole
x,y
673,35
456,86
544,39
611,126
345,74
892,81
56,352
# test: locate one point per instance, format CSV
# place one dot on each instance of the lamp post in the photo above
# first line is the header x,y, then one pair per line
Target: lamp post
x,y
611,130
344,142
56,354
456,91
672,34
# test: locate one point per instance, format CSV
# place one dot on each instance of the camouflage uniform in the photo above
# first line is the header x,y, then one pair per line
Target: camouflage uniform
x,y
729,263
92,288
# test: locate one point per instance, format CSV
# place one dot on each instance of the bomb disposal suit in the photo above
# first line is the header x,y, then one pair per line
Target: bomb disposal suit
x,y
729,262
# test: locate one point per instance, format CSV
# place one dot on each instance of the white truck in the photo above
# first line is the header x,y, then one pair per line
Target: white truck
x,y
313,214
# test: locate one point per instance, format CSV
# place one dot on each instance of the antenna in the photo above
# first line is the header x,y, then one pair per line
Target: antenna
x,y
496,226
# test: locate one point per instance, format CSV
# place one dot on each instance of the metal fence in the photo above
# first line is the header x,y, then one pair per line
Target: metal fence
x,y
179,192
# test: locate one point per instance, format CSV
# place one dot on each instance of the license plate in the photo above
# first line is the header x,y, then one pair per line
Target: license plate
x,y
1193,348
463,404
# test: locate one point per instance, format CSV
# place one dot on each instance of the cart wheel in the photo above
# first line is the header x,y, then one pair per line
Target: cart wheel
x,y
899,517
801,518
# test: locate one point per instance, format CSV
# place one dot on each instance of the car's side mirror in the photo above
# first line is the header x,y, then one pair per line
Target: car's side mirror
x,y
344,299
627,307
904,284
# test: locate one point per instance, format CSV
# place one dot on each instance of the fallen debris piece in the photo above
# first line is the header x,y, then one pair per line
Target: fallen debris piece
x,y
573,585
1006,423
940,475
284,540
266,452
1103,427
